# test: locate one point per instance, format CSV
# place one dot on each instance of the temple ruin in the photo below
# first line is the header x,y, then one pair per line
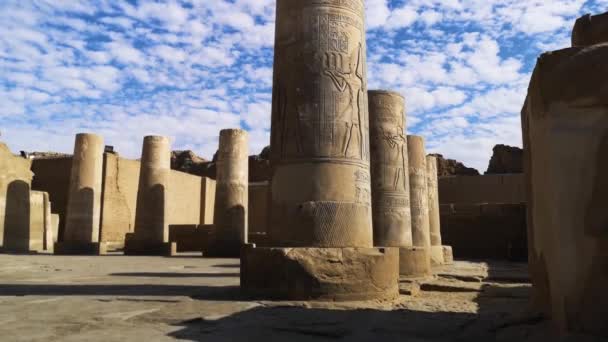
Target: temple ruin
x,y
344,211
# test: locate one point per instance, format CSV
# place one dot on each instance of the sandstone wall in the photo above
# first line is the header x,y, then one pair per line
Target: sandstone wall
x,y
258,207
507,188
186,195
184,199
53,176
485,231
119,198
15,184
565,131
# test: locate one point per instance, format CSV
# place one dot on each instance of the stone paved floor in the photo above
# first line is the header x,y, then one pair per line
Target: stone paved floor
x,y
117,298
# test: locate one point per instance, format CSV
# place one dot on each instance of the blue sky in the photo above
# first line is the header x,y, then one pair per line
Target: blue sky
x,y
187,69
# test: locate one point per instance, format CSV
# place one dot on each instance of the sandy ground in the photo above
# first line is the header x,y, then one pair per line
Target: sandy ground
x,y
118,298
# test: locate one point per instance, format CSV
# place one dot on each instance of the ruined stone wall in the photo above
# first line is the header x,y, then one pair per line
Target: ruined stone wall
x,y
507,188
52,175
565,130
15,184
258,207
184,198
119,198
485,231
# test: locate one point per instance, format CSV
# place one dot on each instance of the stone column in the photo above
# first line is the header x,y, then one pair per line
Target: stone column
x,y
419,203
389,170
320,200
83,214
320,137
151,233
231,195
434,215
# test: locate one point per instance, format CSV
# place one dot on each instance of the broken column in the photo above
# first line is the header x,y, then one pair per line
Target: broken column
x,y
417,262
320,202
440,254
229,233
83,214
151,231
565,130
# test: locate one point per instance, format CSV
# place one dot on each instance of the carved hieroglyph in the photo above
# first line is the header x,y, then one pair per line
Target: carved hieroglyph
x,y
231,194
151,223
84,198
320,137
433,192
419,199
389,170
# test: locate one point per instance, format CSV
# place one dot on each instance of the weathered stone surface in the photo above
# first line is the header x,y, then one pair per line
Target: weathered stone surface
x,y
189,162
208,186
26,234
485,231
414,262
52,173
389,170
590,30
451,167
258,208
419,192
493,189
565,125
436,250
15,183
320,273
448,255
231,195
506,159
83,213
319,132
419,202
151,233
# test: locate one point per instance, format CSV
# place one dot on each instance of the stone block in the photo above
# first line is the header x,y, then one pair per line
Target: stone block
x,y
135,246
565,130
448,255
415,262
590,30
336,274
188,238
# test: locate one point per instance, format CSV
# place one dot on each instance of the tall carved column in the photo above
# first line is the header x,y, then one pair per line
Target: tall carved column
x,y
320,187
151,233
420,257
83,215
231,195
437,249
319,137
389,170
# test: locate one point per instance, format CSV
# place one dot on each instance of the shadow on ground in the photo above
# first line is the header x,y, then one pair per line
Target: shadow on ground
x,y
502,315
176,275
212,293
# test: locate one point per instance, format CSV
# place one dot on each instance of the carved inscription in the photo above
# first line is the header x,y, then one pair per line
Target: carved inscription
x,y
325,116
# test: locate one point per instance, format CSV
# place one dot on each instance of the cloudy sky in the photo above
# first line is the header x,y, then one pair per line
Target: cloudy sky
x,y
187,69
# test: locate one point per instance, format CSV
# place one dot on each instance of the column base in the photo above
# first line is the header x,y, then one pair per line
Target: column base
x,y
415,262
80,248
448,255
326,274
134,246
437,258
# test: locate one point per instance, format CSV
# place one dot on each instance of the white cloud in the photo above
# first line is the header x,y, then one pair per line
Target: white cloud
x,y
189,68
